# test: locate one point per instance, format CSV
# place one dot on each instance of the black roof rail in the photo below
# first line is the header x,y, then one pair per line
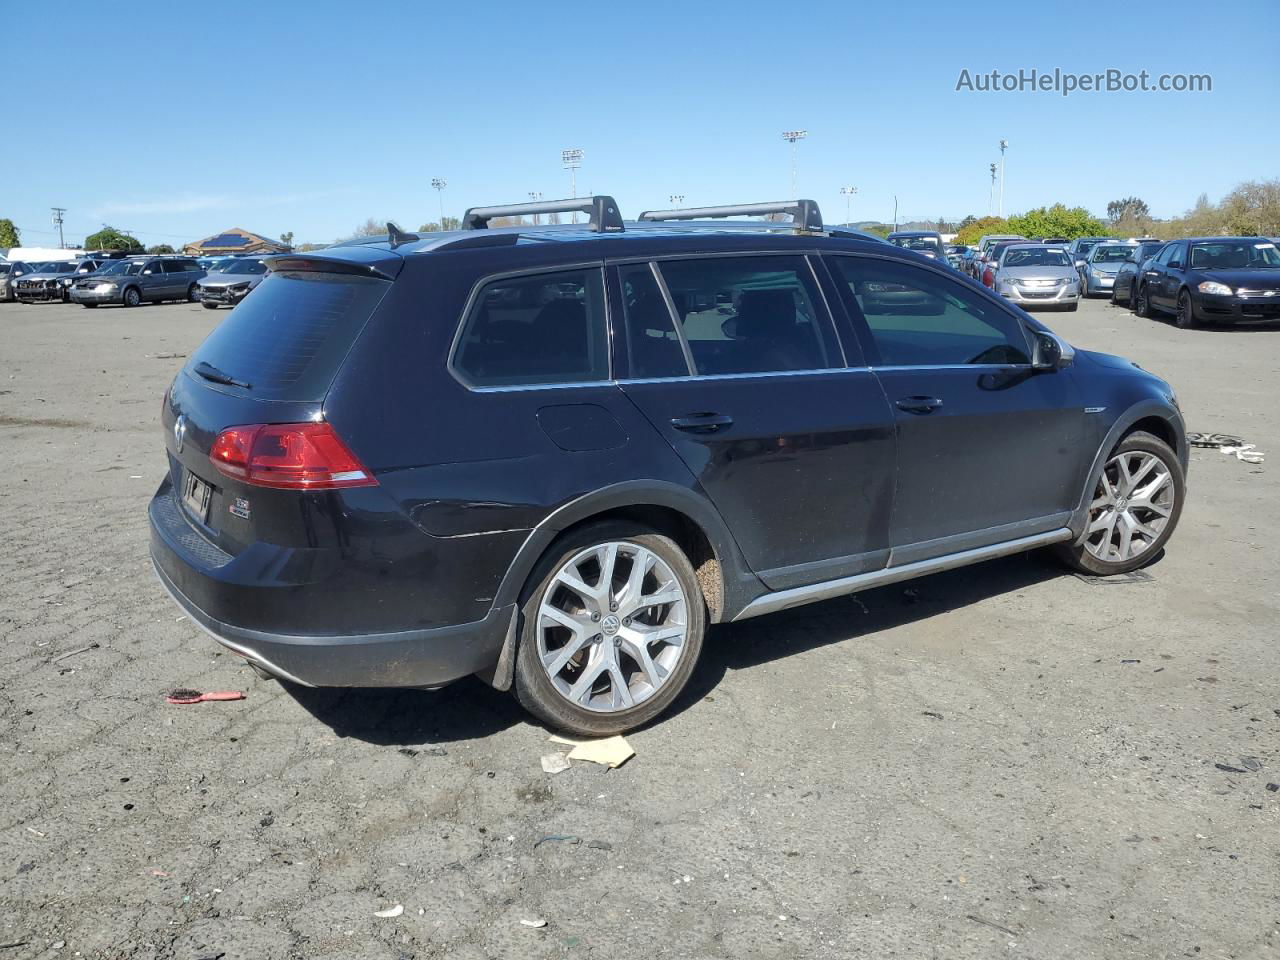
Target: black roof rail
x,y
805,214
602,211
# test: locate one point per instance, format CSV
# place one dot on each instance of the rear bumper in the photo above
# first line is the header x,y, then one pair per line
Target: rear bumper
x,y
214,588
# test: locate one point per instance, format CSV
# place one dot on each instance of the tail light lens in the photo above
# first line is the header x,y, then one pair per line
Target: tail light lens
x,y
289,456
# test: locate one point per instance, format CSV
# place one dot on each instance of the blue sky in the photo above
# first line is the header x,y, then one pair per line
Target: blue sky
x,y
312,117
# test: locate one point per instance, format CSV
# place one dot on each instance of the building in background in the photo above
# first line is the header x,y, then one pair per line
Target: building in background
x,y
234,240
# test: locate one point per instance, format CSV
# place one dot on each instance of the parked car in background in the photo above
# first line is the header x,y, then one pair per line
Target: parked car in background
x,y
1037,275
1080,247
1212,280
1100,267
993,253
46,284
232,282
407,460
921,241
1054,241
10,272
979,263
1122,288
955,254
139,280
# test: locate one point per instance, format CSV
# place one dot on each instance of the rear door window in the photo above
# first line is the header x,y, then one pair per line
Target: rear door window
x,y
653,346
535,329
750,315
919,318
288,339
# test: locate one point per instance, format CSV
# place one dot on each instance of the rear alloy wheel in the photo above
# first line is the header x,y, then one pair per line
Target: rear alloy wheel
x,y
611,630
192,294
132,297
1142,303
208,306
1134,510
1185,317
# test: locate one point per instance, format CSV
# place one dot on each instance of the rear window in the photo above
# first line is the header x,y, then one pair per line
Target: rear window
x,y
289,336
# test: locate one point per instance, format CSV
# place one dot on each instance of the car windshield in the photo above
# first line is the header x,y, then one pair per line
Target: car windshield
x,y
1111,253
1083,248
221,266
915,243
242,267
128,268
1146,250
1234,255
1036,257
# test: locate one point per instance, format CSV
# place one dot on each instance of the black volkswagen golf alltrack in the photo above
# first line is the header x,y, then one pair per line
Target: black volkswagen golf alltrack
x,y
552,456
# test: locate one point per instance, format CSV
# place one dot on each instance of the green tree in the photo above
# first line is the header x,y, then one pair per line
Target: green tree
x,y
450,223
9,236
1056,221
287,238
161,248
109,238
971,231
1130,208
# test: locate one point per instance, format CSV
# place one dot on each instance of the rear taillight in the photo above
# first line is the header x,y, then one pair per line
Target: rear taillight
x,y
289,456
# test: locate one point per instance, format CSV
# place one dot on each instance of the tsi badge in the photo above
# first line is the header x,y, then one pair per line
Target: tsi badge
x,y
179,432
240,507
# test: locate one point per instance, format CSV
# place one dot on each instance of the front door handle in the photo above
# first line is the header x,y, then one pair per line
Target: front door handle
x,y
919,404
701,422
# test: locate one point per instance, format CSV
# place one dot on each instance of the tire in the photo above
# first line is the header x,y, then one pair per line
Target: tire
x,y
208,306
1097,551
131,297
192,295
1142,303
575,555
1185,315
89,306
1073,307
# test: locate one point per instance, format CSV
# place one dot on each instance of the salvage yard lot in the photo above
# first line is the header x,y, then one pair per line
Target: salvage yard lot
x,y
1004,760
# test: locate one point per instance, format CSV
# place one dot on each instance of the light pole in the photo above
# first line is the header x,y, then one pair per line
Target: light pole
x,y
791,136
676,199
57,222
1003,146
440,183
536,197
991,190
571,160
895,213
848,193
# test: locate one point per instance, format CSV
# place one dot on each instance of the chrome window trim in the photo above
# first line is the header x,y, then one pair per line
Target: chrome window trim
x,y
690,369
484,281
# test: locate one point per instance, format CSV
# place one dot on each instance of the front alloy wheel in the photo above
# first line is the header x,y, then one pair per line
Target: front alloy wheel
x,y
611,632
1185,318
1135,507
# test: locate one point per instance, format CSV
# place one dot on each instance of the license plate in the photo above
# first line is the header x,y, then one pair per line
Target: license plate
x,y
196,495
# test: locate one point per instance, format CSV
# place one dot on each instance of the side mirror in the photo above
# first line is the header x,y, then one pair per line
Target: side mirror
x,y
1079,264
1050,352
146,272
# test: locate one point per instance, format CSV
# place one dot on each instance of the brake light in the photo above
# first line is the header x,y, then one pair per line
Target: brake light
x,y
289,456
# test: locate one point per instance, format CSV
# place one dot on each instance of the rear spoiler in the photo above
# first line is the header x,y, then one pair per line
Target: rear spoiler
x,y
361,261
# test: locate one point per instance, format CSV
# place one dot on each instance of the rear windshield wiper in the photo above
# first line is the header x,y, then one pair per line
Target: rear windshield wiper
x,y
214,375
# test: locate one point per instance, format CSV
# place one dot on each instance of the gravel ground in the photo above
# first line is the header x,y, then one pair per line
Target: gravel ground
x,y
999,761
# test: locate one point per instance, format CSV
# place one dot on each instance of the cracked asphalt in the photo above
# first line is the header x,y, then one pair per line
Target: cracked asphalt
x,y
999,761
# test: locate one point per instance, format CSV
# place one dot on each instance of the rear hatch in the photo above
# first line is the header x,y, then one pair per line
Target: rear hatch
x,y
269,363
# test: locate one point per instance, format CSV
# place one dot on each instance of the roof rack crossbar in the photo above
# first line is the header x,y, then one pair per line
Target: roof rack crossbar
x,y
602,212
805,214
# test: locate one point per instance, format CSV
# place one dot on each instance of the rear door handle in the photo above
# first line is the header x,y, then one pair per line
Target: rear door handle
x,y
701,422
919,404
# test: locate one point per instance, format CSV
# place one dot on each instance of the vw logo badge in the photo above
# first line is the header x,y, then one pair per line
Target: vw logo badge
x,y
179,432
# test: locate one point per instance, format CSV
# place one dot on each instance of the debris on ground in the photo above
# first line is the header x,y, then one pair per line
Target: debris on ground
x,y
72,653
1273,787
606,845
186,695
611,752
536,923
931,714
1228,444
558,838
390,912
1133,576
987,923
1227,768
555,763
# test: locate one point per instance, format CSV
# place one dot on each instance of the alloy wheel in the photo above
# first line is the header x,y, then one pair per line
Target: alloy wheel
x,y
612,625
1131,506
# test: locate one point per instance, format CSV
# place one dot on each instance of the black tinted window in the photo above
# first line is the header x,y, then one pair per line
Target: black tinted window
x,y
653,346
918,318
173,266
541,328
288,337
749,314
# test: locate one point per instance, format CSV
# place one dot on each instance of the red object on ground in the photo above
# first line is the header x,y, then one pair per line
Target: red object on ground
x,y
195,696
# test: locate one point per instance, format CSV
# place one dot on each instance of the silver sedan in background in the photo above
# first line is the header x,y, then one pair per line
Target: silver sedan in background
x,y
1098,275
1037,275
